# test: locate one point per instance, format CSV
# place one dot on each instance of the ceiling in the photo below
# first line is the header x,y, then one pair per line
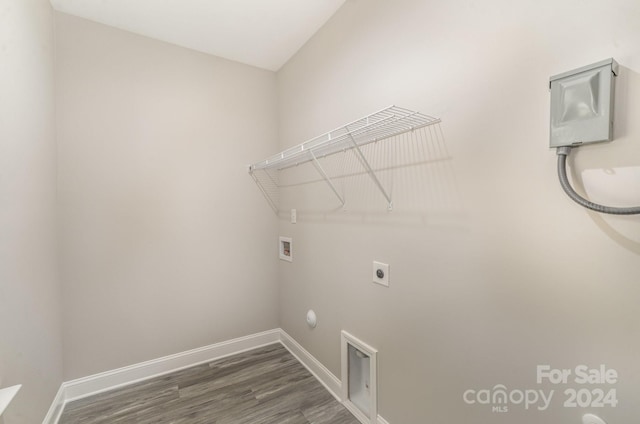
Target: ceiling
x,y
262,33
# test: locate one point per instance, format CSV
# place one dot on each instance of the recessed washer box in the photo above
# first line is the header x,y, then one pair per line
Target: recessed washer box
x,y
285,248
582,104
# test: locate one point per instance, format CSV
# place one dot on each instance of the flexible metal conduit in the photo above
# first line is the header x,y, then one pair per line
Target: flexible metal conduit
x,y
563,153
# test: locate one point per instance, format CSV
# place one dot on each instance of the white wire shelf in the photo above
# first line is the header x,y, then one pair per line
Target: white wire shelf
x,y
384,124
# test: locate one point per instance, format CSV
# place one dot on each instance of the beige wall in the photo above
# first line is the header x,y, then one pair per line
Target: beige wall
x,y
30,334
511,275
163,233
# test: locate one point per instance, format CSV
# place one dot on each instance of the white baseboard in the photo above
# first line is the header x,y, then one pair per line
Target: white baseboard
x,y
98,383
102,382
382,420
88,386
319,371
55,410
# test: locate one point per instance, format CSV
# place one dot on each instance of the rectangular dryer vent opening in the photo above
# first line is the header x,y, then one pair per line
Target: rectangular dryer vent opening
x,y
359,379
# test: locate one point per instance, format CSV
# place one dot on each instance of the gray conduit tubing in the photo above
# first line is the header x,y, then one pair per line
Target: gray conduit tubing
x,y
563,153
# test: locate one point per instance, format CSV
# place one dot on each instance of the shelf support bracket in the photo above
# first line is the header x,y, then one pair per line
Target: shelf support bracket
x,y
371,172
326,177
264,192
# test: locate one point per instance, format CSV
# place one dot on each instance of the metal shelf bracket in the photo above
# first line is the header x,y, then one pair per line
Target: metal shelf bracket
x,y
372,174
326,178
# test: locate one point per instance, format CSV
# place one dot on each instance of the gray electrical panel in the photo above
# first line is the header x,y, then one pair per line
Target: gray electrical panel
x,y
582,104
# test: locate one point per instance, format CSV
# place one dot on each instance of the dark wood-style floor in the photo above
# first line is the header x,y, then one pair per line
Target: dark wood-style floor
x,y
262,386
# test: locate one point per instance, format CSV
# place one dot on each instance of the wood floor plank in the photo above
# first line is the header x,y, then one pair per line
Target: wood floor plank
x,y
261,386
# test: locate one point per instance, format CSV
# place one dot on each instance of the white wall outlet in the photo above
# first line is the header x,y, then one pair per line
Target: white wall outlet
x,y
294,216
381,273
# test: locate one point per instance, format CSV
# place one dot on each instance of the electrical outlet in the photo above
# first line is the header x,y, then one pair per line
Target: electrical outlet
x,y
380,273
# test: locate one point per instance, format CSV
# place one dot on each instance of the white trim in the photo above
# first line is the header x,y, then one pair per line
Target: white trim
x,y
94,384
382,420
359,415
6,396
315,367
98,383
56,408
